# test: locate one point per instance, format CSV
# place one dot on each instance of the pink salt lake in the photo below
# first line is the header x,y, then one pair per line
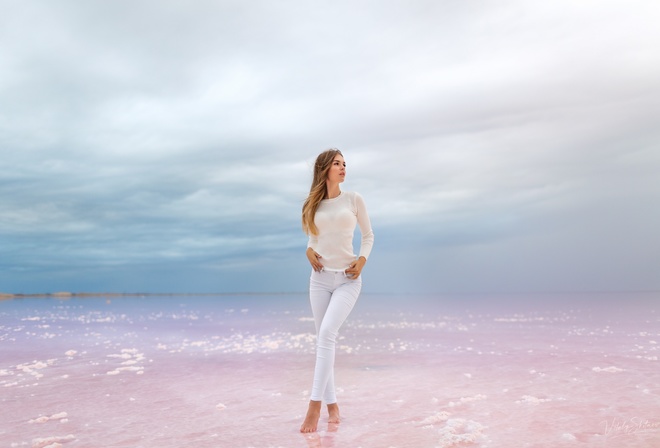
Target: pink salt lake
x,y
572,370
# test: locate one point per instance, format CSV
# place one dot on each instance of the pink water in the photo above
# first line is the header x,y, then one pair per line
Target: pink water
x,y
235,371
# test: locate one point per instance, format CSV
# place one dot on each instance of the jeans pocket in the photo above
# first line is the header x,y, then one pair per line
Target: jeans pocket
x,y
316,279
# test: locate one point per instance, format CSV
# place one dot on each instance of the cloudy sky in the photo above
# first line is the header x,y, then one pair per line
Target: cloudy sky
x,y
165,146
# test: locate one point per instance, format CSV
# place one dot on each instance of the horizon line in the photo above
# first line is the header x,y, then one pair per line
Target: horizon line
x,y
67,294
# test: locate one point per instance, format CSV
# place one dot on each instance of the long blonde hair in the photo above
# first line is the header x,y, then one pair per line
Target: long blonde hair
x,y
318,190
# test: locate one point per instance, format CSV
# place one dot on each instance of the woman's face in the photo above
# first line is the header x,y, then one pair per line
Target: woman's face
x,y
337,171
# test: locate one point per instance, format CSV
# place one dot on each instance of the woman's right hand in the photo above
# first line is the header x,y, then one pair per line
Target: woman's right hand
x,y
314,258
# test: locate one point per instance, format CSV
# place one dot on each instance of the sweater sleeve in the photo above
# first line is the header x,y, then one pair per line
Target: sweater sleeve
x,y
313,241
365,227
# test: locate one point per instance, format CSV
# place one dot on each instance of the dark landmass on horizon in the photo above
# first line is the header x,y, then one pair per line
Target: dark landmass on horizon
x,y
67,295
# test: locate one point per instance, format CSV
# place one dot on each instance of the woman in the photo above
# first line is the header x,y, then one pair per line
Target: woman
x,y
329,217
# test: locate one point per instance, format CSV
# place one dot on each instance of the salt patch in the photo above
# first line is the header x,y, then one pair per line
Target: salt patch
x,y
438,417
51,442
610,369
44,419
118,370
70,352
529,399
458,431
220,406
462,400
32,369
121,356
131,357
37,365
272,345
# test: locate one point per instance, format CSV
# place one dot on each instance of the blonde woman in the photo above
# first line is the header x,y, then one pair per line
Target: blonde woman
x,y
329,217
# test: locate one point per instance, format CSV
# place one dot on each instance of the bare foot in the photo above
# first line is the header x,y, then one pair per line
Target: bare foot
x,y
312,417
333,412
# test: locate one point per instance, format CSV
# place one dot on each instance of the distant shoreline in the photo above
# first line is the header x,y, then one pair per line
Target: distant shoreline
x,y
63,295
67,295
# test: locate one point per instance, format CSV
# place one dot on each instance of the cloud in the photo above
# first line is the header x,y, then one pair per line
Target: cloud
x,y
146,140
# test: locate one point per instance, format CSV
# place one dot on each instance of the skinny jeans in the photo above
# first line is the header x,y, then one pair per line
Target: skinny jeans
x,y
332,295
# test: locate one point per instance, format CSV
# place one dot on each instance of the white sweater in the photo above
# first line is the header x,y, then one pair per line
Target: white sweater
x,y
335,220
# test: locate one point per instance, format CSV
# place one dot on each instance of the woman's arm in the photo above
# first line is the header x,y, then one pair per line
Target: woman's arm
x,y
367,241
314,258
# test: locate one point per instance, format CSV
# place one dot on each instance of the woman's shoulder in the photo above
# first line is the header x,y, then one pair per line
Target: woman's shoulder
x,y
352,194
354,199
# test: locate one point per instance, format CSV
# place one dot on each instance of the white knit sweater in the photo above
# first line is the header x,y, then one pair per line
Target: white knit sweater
x,y
335,220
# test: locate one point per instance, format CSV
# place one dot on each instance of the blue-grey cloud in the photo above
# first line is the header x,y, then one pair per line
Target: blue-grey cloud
x,y
167,146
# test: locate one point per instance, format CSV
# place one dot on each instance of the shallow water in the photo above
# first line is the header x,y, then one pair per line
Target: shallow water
x,y
235,371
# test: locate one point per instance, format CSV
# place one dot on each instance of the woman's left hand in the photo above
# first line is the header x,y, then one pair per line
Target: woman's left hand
x,y
355,268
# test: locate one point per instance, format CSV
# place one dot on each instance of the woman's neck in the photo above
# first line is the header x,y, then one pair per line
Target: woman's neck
x,y
332,191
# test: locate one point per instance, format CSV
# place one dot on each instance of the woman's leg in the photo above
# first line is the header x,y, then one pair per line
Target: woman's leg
x,y
342,302
320,296
330,310
320,293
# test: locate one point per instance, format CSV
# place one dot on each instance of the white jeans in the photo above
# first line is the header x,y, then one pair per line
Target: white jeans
x,y
332,296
